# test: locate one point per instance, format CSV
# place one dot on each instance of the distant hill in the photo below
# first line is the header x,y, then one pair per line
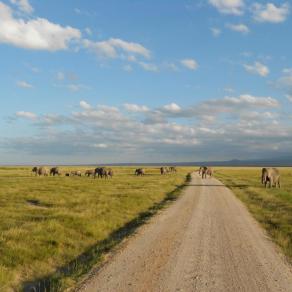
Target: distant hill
x,y
283,161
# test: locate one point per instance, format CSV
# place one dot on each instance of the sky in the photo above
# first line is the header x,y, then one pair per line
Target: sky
x,y
113,81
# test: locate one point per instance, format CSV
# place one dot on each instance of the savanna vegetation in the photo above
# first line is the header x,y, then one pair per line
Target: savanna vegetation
x,y
54,229
271,207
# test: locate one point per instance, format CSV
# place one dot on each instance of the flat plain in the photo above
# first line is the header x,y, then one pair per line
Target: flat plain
x,y
65,224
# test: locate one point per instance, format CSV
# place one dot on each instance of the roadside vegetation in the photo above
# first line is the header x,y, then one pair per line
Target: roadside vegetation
x,y
271,207
54,229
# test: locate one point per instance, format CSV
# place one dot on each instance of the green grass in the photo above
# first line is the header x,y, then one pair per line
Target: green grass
x,y
57,228
271,207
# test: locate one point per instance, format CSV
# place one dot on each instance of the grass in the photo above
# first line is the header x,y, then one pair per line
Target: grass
x,y
54,229
271,207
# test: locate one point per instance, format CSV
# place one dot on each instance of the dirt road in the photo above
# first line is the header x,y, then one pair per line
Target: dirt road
x,y
206,241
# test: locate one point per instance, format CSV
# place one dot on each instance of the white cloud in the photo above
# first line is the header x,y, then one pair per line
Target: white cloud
x,y
24,84
216,31
289,97
136,108
149,66
86,106
35,34
242,28
238,126
26,115
23,5
109,48
270,12
173,107
190,64
234,7
257,68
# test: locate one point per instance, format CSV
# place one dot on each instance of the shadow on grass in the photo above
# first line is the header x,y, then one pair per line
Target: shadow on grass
x,y
84,262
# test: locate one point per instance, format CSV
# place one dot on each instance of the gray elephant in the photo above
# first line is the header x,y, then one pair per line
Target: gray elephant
x,y
271,176
206,171
89,172
76,173
100,172
163,170
140,172
43,171
110,173
55,171
35,170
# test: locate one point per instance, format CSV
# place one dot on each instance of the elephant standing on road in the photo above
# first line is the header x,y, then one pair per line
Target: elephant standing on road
x,y
271,176
206,171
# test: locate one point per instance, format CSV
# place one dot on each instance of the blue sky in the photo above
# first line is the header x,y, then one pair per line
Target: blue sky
x,y
144,81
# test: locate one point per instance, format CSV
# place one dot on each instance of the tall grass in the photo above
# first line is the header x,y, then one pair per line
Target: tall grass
x,y
49,224
271,207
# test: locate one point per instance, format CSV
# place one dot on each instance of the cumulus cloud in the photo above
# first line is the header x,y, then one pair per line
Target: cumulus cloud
x,y
136,108
36,34
270,12
235,7
24,84
85,105
169,132
190,64
257,68
173,107
26,115
23,5
242,28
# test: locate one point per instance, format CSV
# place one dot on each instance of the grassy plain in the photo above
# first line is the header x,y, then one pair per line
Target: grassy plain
x,y
271,207
60,226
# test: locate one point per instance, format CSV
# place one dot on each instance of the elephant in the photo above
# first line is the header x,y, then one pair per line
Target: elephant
x,y
89,172
55,171
43,171
35,170
110,173
76,173
100,172
271,176
163,170
172,169
206,171
140,171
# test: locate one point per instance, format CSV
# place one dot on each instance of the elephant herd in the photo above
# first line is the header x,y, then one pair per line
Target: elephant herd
x,y
99,172
166,170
